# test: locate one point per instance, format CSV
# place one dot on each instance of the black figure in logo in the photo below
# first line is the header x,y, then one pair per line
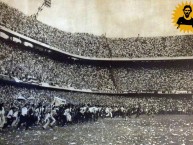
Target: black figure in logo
x,y
186,19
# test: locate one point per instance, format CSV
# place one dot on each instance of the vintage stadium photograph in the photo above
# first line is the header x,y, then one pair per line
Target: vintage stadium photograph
x,y
96,72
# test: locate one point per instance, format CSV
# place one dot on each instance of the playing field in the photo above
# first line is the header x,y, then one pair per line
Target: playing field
x,y
160,130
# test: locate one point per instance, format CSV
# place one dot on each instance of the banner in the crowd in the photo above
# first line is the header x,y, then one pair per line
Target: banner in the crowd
x,y
16,79
181,92
58,101
21,98
45,84
31,98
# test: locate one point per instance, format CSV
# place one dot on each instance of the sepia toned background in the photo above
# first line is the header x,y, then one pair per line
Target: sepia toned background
x,y
116,18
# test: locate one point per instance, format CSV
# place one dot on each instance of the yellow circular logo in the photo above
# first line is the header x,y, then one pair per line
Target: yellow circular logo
x,y
183,17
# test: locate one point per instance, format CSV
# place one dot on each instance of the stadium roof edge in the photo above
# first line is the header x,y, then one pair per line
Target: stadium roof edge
x,y
74,56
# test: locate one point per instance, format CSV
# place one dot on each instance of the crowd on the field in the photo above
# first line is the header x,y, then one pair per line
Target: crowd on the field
x,y
88,45
37,67
32,106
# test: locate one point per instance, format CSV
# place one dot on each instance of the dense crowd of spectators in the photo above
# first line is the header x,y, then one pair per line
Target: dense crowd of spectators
x,y
160,104
31,107
89,45
28,65
166,78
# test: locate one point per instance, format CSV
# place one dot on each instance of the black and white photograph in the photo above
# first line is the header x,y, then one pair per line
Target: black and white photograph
x,y
96,72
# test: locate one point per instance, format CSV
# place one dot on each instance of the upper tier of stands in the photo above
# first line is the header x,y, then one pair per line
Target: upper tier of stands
x,y
89,45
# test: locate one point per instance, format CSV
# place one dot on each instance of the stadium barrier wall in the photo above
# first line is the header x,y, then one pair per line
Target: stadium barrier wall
x,y
47,86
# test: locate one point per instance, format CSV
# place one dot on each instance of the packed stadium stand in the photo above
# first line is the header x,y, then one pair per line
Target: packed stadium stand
x,y
177,104
32,65
89,45
102,80
63,86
